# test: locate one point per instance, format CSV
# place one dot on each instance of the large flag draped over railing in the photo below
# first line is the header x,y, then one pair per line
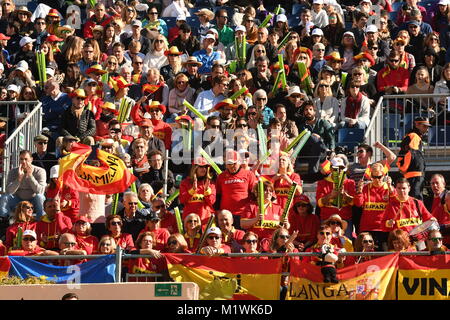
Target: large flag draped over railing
x,y
228,278
371,280
4,267
111,176
99,270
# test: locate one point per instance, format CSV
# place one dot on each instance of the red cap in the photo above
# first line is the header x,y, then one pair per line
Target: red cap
x,y
200,161
53,38
82,218
302,198
146,122
231,157
3,37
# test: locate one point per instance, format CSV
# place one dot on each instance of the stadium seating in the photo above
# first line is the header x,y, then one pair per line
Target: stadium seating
x,y
438,136
170,21
350,137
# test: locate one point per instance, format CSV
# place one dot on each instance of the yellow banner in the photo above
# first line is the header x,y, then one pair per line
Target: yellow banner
x,y
371,280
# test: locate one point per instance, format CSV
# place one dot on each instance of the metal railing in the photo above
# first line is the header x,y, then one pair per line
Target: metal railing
x,y
120,256
394,116
21,138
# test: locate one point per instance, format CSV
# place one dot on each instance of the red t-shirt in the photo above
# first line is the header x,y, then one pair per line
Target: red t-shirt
x,y
405,214
198,201
161,235
235,189
282,188
87,243
374,201
271,221
52,230
11,232
307,226
125,241
325,187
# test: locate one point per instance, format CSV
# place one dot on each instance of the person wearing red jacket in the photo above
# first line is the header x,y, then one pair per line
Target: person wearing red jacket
x,y
263,224
374,198
161,129
235,185
404,212
100,17
329,254
52,225
232,237
393,79
283,180
30,247
23,218
327,195
153,225
82,231
114,225
442,213
168,220
302,219
198,192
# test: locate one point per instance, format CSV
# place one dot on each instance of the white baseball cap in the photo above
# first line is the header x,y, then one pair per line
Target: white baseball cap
x,y
209,36
337,162
214,230
281,17
317,32
371,28
50,71
181,17
137,23
318,2
349,33
13,87
29,233
54,171
240,28
25,40
443,2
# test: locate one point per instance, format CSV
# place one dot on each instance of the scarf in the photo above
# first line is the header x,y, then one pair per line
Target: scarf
x,y
353,106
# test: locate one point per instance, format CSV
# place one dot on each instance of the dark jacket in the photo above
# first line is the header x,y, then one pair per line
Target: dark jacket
x,y
48,161
82,128
156,179
188,47
323,128
134,225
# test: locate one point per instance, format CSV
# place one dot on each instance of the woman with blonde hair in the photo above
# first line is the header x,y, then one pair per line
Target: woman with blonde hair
x,y
181,91
71,52
24,219
284,179
156,58
289,52
198,191
128,14
257,51
176,243
432,41
111,64
326,105
252,29
421,86
119,26
107,245
192,231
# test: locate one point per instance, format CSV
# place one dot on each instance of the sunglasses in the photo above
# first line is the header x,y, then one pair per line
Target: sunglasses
x,y
42,142
104,244
173,242
354,86
181,82
373,48
367,241
173,55
325,233
116,223
377,177
115,130
260,51
251,241
92,84
242,125
214,238
133,203
394,61
261,99
252,113
225,17
192,221
300,205
333,223
283,236
28,239
70,244
323,86
432,239
28,207
159,40
153,12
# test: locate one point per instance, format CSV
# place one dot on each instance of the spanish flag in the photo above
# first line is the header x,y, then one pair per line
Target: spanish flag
x,y
225,278
5,264
111,176
423,277
370,280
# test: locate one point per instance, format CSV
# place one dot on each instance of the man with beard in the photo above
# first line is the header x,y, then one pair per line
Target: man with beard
x,y
321,140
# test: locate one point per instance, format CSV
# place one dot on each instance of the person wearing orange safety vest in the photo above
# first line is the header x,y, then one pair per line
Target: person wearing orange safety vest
x,y
410,161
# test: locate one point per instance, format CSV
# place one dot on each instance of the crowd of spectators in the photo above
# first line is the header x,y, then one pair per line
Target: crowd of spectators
x,y
152,58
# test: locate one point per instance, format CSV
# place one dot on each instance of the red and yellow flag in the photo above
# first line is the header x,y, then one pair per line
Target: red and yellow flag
x,y
424,278
371,280
5,264
225,278
111,176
